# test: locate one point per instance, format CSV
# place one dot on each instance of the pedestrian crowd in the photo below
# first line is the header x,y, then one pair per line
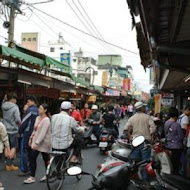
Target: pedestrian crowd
x,y
174,128
36,132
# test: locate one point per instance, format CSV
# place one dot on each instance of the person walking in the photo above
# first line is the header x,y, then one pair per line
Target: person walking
x,y
174,138
25,131
4,145
130,110
117,111
184,122
11,120
40,142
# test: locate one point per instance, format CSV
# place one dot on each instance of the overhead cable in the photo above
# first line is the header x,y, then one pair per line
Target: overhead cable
x,y
81,31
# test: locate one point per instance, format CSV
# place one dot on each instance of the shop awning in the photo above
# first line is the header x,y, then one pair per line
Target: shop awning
x,y
99,89
13,55
58,65
80,81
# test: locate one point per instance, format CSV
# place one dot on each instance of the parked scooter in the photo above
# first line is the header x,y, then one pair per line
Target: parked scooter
x,y
128,176
89,138
118,177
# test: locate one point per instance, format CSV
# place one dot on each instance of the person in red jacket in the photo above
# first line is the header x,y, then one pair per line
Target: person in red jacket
x,y
85,112
75,114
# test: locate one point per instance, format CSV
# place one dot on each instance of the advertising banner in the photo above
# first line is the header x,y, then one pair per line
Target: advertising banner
x,y
65,58
112,92
126,84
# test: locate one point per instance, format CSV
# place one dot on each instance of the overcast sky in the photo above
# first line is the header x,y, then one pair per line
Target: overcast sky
x,y
111,17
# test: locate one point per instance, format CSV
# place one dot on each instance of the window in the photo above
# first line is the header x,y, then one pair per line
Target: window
x,y
61,48
24,39
29,39
52,49
34,39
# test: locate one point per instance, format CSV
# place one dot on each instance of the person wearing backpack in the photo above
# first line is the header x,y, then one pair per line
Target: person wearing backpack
x,y
174,138
184,118
184,123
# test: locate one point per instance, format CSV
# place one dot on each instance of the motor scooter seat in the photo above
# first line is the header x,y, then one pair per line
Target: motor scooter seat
x,y
176,181
124,143
122,158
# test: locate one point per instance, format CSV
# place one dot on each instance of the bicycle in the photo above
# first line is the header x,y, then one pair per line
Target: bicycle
x,y
57,168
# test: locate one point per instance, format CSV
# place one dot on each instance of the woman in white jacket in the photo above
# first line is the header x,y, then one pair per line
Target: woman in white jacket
x,y
4,145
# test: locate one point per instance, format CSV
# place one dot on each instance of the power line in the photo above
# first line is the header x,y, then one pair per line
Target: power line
x,y
4,37
94,31
93,45
81,31
53,30
95,28
82,21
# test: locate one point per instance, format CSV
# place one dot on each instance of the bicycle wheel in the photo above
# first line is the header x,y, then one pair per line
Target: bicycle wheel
x,y
56,173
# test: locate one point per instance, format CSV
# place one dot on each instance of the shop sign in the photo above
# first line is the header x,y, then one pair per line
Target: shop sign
x,y
65,58
52,93
48,92
126,84
157,99
152,76
104,78
167,99
36,91
92,99
112,92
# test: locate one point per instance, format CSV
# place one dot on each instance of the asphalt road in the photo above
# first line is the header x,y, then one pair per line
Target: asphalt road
x,y
91,156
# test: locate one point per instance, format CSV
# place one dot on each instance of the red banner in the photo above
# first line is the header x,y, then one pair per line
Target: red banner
x,y
126,84
48,92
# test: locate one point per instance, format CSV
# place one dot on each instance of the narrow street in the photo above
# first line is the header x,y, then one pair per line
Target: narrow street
x,y
92,158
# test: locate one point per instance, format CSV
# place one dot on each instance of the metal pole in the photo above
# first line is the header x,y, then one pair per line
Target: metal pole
x,y
12,23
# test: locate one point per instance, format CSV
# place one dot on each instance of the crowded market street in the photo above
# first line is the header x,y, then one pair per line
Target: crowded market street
x,y
92,158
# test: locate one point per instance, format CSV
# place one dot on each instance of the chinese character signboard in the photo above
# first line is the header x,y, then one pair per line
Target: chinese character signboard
x,y
167,99
30,41
65,58
157,99
152,75
105,78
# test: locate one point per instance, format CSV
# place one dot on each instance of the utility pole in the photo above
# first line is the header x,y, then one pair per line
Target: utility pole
x,y
12,25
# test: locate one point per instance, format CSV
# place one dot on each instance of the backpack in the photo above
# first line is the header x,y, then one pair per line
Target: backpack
x,y
186,132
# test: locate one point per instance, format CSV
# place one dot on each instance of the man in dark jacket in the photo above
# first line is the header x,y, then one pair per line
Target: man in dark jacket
x,y
11,120
25,132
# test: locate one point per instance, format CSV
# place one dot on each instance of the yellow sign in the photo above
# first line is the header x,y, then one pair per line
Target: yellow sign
x,y
92,99
157,99
104,78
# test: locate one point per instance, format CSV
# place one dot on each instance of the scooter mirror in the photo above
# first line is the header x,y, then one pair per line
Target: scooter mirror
x,y
75,170
138,141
